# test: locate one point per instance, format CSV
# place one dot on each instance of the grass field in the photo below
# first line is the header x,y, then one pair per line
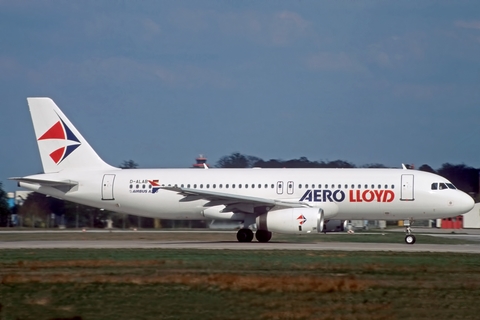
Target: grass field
x,y
210,284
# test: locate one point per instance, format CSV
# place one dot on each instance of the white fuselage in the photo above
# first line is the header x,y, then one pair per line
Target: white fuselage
x,y
384,194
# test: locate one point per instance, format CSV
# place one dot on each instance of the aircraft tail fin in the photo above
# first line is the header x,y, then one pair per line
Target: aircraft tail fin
x,y
60,144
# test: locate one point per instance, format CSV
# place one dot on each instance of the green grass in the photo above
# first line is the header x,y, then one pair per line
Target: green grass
x,y
214,284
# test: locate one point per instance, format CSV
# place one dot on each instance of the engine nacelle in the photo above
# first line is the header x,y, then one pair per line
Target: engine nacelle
x,y
292,221
335,225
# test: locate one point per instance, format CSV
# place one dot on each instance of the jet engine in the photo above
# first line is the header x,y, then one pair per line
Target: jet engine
x,y
292,221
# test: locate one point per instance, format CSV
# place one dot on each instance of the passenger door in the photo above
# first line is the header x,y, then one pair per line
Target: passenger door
x,y
107,187
408,191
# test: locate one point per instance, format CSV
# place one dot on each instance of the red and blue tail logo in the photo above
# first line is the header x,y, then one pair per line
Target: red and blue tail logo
x,y
301,219
60,131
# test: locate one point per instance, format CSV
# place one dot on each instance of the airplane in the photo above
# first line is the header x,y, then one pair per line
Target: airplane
x,y
290,201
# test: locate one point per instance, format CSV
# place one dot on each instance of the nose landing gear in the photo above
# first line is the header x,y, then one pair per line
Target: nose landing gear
x,y
409,238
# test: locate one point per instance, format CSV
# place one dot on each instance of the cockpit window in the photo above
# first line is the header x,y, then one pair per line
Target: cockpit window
x,y
442,186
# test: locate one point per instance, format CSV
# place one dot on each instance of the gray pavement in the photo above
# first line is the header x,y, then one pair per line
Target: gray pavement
x,y
227,245
470,234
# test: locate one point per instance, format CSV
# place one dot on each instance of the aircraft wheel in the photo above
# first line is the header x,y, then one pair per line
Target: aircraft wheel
x,y
410,239
245,235
263,235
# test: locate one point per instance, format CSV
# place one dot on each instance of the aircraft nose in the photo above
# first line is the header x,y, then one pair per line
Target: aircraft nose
x,y
465,203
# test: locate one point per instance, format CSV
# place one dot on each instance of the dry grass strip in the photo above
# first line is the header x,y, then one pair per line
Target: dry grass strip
x,y
222,281
89,263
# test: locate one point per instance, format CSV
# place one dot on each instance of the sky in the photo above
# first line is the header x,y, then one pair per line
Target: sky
x,y
160,82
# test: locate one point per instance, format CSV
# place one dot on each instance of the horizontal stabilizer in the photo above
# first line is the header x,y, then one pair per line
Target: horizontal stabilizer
x,y
47,183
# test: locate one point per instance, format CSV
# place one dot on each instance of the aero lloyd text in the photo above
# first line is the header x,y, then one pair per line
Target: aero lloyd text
x,y
318,195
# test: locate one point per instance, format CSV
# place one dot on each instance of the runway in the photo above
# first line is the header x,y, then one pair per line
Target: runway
x,y
217,240
232,245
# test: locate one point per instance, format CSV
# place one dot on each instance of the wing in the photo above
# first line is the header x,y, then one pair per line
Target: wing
x,y
232,201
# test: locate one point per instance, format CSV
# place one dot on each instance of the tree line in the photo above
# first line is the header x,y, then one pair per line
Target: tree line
x,y
464,177
41,211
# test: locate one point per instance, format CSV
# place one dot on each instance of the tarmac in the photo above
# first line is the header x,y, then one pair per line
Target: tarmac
x,y
473,235
332,246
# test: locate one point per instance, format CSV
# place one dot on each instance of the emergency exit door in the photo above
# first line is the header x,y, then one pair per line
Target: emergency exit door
x,y
408,190
107,187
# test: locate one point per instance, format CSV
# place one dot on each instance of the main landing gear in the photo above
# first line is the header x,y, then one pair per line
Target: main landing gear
x,y
409,238
246,235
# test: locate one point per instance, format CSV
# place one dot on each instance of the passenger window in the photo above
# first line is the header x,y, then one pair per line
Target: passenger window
x,y
434,186
299,186
253,186
353,186
233,186
226,186
208,186
386,186
201,186
359,186
366,186
195,186
214,186
259,186
339,186
188,185
393,186
240,186
373,186
246,186
272,186
346,186
379,186
266,186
